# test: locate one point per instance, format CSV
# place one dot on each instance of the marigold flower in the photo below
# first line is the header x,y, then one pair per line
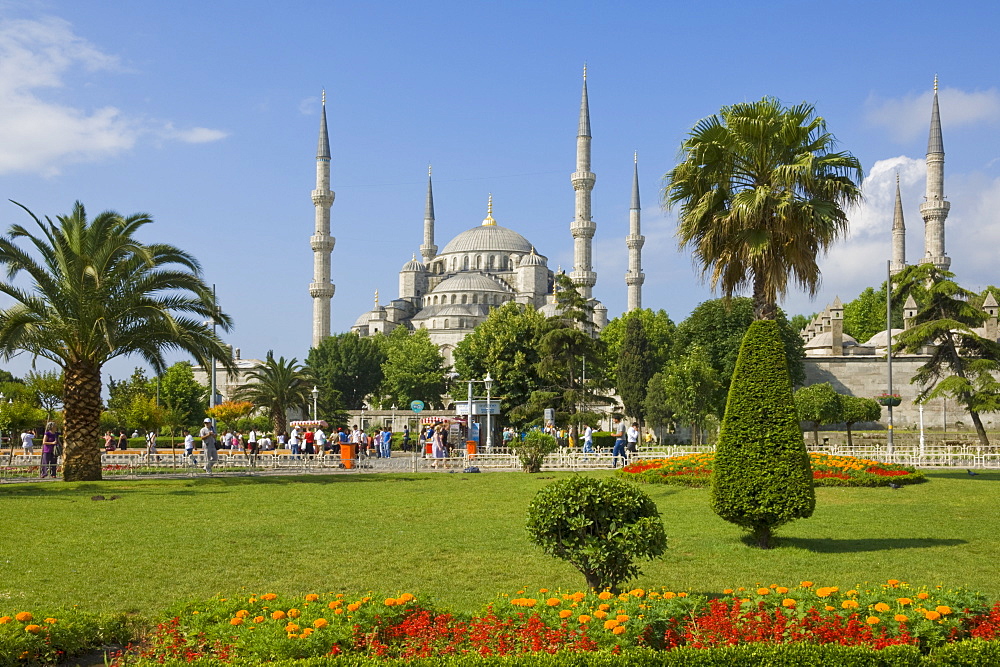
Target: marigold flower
x,y
583,619
788,602
553,602
354,606
763,591
604,595
366,599
849,604
294,613
530,602
637,592
242,613
543,590
338,611
306,632
292,635
33,629
682,594
258,619
873,620
390,602
604,607
268,597
806,584
829,608
943,610
621,618
5,619
236,621
902,618
610,624
727,591
600,613
320,623
781,590
894,582
406,597
292,627
881,606
932,615
669,596
278,615
565,613
23,616
52,621
620,630
904,601
312,597
923,595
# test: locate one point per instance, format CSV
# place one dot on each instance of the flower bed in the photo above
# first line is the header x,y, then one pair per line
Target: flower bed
x,y
262,628
696,470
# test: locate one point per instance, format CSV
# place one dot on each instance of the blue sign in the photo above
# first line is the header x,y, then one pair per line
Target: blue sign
x,y
417,406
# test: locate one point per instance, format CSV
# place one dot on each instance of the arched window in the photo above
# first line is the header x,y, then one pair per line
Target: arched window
x,y
464,297
491,261
446,324
452,300
465,263
479,261
475,298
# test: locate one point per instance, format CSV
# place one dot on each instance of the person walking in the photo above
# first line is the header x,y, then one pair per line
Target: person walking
x,y
438,446
386,449
122,440
188,449
619,449
293,443
588,439
108,439
632,439
151,447
28,442
208,445
49,442
320,436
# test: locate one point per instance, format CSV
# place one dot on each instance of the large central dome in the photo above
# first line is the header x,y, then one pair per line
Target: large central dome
x,y
488,238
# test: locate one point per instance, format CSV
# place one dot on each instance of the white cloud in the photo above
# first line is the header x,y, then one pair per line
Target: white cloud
x,y
906,118
38,135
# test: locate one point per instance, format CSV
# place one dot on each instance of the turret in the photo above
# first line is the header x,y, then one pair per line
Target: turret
x,y
934,209
428,250
634,277
321,289
909,311
413,281
583,226
898,234
532,279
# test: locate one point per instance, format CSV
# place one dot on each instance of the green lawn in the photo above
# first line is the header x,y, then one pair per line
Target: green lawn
x,y
459,537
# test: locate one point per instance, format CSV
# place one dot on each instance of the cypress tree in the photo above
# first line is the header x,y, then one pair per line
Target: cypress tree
x,y
635,368
762,477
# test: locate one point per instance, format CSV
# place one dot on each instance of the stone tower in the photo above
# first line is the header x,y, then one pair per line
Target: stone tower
x,y
634,277
934,209
898,234
428,250
321,289
583,182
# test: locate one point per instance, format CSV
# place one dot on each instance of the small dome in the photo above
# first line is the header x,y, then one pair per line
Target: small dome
x,y
825,339
469,282
879,339
488,238
550,309
365,318
414,265
532,259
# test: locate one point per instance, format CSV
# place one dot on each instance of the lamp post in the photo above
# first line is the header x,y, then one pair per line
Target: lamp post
x,y
890,449
212,388
315,395
488,381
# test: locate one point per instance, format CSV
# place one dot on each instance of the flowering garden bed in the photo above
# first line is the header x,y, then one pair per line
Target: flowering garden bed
x,y
259,628
696,470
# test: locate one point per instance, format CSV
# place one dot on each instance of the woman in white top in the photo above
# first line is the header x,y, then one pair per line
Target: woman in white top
x,y
28,442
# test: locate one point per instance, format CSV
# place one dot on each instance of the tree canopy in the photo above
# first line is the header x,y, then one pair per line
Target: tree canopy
x,y
347,368
413,369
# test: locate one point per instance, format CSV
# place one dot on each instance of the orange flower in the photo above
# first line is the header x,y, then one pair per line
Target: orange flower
x,y
668,596
236,621
23,616
320,623
406,597
894,582
312,597
829,608
294,613
338,611
335,604
763,591
530,602
932,615
637,592
50,621
565,613
788,602
278,615
781,590
600,613
806,584
904,601
610,624
873,620
621,618
849,604
604,607
292,627
901,618
258,619
242,613
553,602
5,619
727,591
268,596
33,629
390,602
543,590
605,595
923,595
583,619
620,630
354,606
682,594
882,607
292,635
943,610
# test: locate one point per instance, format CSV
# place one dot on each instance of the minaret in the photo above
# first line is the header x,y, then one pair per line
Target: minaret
x,y
428,250
634,277
934,210
898,234
583,182
321,289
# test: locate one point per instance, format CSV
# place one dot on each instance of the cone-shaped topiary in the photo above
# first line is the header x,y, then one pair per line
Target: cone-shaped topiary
x,y
762,477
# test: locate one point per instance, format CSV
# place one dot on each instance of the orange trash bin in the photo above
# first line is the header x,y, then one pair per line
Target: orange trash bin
x,y
348,452
470,447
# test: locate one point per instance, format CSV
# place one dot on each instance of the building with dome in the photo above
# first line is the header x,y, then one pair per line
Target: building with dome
x,y
450,292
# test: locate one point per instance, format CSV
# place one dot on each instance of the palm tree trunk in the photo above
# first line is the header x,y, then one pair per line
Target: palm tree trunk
x,y
764,305
82,410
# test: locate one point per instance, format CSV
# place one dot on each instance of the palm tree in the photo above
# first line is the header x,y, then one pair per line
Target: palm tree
x,y
277,386
87,291
761,194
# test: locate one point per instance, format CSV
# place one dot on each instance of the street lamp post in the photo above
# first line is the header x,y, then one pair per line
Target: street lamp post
x,y
315,395
488,381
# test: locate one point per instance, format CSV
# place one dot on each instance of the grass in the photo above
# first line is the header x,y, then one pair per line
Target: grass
x,y
458,537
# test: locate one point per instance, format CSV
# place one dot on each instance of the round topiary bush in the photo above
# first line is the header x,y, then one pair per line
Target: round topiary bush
x,y
533,449
599,525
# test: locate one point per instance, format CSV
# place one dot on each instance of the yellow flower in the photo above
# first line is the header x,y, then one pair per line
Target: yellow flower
x,y
23,616
881,606
236,621
320,623
292,635
872,620
620,630
583,619
605,595
52,621
932,615
943,610
312,597
33,629
901,618
565,613
788,602
553,602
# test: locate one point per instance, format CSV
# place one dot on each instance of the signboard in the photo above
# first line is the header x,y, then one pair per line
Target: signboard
x,y
417,406
478,408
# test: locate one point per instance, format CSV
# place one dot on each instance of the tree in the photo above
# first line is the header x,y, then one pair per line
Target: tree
x,y
277,387
865,316
634,368
660,332
123,395
17,416
570,519
657,405
347,368
761,194
690,385
230,412
818,404
800,322
87,291
963,364
48,388
854,409
719,328
182,395
146,413
531,451
762,477
506,346
413,369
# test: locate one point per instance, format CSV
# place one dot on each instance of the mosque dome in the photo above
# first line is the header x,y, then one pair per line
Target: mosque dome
x,y
365,318
469,282
825,340
879,339
532,259
414,265
488,238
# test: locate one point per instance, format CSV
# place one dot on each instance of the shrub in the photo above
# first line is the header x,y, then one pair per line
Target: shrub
x,y
599,525
762,478
533,449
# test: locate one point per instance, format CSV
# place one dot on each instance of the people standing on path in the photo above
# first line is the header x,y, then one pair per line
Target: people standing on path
x,y
588,439
49,442
28,442
252,448
619,450
208,445
632,439
386,449
309,442
151,446
188,449
293,443
122,440
108,439
321,447
438,446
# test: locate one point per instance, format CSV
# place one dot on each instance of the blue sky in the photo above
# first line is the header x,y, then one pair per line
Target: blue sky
x,y
205,115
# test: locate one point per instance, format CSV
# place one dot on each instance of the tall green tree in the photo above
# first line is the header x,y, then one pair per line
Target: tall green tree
x,y
963,364
634,368
87,291
506,346
182,395
818,404
413,369
854,409
657,405
48,388
865,316
123,395
691,385
660,332
718,328
277,386
347,368
761,193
